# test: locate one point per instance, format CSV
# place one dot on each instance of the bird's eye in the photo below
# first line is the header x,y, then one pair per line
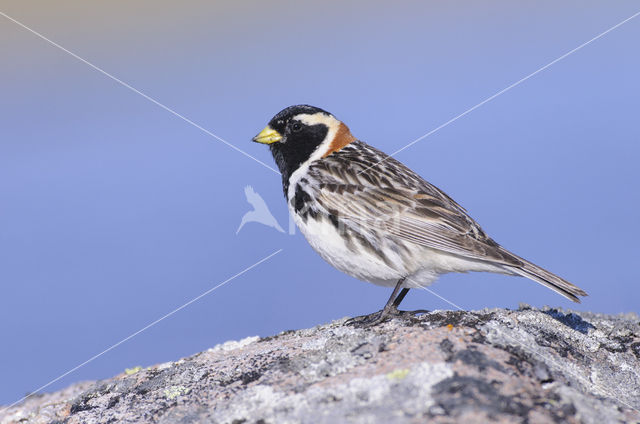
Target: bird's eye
x,y
295,127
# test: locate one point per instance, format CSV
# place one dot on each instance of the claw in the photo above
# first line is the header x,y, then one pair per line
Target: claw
x,y
382,316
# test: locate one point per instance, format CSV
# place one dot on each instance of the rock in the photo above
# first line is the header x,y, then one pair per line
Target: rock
x,y
529,365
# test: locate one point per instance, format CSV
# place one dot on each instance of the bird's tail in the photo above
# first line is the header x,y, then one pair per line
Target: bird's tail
x,y
544,277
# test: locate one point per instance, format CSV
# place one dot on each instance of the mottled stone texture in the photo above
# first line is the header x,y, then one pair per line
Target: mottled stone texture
x,y
524,366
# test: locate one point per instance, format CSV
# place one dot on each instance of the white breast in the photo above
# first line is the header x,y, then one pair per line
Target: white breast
x,y
325,239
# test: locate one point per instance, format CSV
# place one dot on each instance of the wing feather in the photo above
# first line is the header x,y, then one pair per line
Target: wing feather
x,y
401,214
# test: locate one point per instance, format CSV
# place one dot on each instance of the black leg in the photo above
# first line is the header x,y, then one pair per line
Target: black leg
x,y
399,299
391,303
391,308
401,296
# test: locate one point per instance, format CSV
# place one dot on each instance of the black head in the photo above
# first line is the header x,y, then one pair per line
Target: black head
x,y
294,134
285,116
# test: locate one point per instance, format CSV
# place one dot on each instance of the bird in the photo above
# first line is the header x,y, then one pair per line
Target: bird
x,y
373,218
260,212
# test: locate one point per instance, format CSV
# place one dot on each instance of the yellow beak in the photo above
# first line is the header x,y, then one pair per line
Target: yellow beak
x,y
267,136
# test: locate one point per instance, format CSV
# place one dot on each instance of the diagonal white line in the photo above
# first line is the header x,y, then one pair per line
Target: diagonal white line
x,y
151,99
535,352
129,337
488,99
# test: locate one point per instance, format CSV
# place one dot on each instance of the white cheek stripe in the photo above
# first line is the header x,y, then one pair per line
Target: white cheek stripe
x,y
320,118
314,119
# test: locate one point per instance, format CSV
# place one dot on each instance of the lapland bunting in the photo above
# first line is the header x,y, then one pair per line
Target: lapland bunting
x,y
373,218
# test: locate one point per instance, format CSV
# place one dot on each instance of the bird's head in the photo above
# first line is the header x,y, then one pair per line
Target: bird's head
x,y
302,133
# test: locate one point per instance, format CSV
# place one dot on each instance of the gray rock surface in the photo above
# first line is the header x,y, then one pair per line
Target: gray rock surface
x,y
524,366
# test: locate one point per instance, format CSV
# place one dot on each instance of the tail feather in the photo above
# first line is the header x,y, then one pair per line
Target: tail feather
x,y
544,277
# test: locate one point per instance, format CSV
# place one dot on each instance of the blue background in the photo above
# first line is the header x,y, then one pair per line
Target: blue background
x,y
114,212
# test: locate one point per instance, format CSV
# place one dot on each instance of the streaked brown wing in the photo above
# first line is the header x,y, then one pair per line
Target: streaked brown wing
x,y
355,185
413,216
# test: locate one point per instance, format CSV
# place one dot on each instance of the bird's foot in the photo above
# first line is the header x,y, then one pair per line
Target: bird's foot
x,y
382,316
367,320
